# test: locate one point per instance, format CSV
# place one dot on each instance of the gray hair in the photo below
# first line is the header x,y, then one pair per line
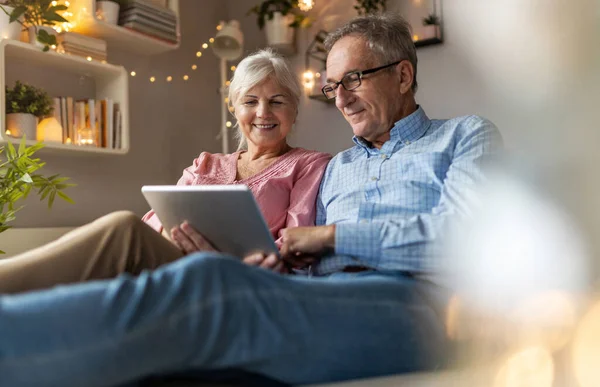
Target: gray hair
x,y
255,69
388,36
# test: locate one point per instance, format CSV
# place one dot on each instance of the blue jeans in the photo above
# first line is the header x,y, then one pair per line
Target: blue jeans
x,y
209,312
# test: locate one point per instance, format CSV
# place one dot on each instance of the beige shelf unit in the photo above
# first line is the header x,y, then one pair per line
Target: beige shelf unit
x,y
104,81
116,36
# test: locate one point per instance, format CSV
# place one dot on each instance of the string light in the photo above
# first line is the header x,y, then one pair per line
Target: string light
x,y
415,38
198,54
306,5
89,58
169,78
204,45
233,68
133,73
228,124
226,99
194,67
185,77
211,40
219,27
54,3
152,79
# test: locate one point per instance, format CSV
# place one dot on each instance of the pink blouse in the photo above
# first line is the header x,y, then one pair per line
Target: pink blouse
x,y
285,191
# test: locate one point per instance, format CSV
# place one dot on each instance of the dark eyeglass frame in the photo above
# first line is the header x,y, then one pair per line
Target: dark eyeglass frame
x,y
335,85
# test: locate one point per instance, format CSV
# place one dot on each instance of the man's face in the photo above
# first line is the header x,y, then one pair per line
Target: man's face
x,y
373,107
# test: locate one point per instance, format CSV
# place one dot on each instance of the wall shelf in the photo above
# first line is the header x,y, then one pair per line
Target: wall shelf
x,y
117,36
428,42
102,80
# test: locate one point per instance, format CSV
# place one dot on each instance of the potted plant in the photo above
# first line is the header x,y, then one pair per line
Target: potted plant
x,y
430,26
38,17
18,177
279,18
366,7
26,104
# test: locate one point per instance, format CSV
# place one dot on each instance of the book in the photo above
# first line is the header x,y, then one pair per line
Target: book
x,y
171,31
70,114
135,14
149,7
151,31
107,122
82,40
63,117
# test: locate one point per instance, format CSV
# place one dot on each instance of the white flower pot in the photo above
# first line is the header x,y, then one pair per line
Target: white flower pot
x,y
33,37
278,31
8,30
429,32
108,11
22,124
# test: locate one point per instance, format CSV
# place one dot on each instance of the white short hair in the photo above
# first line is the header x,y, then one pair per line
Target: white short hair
x,y
255,69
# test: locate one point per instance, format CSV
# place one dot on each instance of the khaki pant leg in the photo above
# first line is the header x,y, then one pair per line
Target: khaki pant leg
x,y
116,243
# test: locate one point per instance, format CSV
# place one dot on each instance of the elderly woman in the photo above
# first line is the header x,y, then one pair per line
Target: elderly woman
x,y
284,180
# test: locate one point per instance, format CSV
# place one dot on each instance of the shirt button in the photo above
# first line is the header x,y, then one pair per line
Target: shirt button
x,y
407,142
374,178
384,156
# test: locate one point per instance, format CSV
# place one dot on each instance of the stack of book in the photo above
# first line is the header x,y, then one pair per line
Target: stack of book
x,y
82,45
148,18
89,122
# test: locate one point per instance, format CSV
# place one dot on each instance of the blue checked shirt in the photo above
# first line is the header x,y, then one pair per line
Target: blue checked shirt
x,y
390,204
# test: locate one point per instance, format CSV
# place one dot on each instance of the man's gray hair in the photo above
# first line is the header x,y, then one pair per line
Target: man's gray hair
x,y
255,69
388,36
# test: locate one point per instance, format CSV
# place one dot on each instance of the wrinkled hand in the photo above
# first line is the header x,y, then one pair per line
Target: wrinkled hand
x,y
189,240
266,261
302,246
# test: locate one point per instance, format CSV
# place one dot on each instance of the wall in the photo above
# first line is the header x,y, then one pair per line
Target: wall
x,y
171,123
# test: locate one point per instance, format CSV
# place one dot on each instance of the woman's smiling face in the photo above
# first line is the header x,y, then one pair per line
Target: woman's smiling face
x,y
266,114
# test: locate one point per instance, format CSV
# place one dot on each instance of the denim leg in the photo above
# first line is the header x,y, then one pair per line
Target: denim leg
x,y
207,312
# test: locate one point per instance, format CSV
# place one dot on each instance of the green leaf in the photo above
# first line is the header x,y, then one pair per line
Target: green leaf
x,y
54,17
26,178
65,197
17,13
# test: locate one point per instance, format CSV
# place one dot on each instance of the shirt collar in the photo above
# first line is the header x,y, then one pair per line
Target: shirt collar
x,y
409,128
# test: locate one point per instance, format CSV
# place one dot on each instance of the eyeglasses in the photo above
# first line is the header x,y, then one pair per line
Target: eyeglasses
x,y
351,80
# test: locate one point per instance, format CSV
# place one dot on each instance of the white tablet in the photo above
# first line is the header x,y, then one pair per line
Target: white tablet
x,y
226,215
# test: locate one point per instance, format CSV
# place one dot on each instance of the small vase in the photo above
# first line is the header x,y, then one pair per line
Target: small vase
x,y
278,31
22,124
33,36
9,30
429,32
108,11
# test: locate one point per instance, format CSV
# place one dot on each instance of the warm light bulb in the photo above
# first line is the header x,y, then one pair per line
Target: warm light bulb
x,y
68,140
309,79
227,83
53,46
226,99
133,73
8,132
233,68
89,58
306,5
198,54
68,5
415,38
194,67
152,79
185,77
228,124
204,45
169,78
54,3
211,40
58,29
219,27
231,109
318,75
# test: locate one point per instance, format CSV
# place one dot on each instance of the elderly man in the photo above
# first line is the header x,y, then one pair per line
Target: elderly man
x,y
366,310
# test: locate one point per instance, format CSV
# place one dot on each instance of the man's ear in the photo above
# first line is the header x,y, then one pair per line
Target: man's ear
x,y
406,73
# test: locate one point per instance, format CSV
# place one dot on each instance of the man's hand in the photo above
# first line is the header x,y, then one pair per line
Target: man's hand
x,y
306,244
189,240
270,261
